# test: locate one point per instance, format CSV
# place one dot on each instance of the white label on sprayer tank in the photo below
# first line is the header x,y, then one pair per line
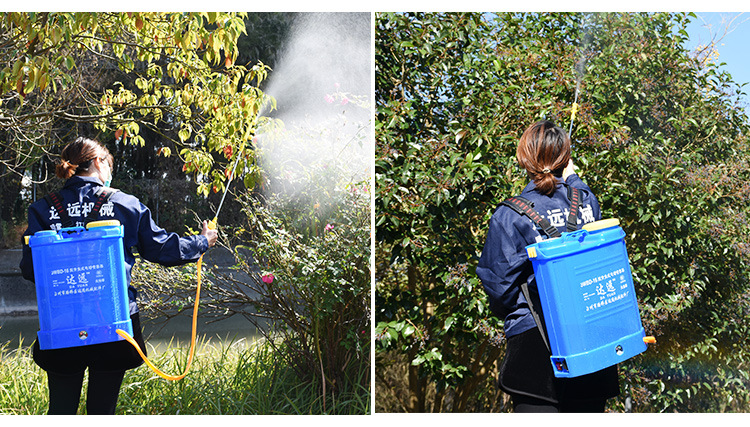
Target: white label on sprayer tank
x,y
77,280
604,290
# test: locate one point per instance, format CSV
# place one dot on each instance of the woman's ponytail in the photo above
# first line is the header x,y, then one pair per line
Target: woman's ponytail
x,y
544,151
65,169
77,156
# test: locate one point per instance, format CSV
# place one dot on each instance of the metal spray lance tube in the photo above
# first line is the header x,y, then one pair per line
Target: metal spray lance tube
x,y
212,223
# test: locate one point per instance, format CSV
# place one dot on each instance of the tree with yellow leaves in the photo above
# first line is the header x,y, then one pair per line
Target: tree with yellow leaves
x,y
68,71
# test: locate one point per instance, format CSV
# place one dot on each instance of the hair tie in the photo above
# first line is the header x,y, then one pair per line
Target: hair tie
x,y
546,170
66,164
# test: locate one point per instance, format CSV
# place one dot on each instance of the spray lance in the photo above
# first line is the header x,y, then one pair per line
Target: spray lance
x,y
199,266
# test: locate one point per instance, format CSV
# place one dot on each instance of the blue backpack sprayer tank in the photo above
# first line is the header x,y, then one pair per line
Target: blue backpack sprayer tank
x,y
82,293
588,299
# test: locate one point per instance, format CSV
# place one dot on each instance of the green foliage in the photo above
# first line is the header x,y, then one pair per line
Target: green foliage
x,y
304,248
453,344
22,382
303,255
660,138
302,275
165,292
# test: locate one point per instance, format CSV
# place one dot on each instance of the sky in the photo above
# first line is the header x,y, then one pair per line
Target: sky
x,y
733,46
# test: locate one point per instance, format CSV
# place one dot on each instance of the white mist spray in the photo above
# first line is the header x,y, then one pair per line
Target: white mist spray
x,y
322,86
580,68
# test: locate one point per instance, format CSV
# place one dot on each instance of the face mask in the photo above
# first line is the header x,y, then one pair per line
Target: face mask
x,y
109,181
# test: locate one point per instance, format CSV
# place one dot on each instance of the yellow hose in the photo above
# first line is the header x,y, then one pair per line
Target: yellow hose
x,y
128,338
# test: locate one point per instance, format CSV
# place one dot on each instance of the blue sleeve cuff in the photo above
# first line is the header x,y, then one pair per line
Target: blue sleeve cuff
x,y
203,244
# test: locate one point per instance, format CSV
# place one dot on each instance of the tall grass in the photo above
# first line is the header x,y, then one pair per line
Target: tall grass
x,y
22,382
226,378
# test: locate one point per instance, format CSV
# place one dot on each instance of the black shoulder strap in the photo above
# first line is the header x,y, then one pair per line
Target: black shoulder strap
x,y
537,318
525,207
574,195
103,196
55,201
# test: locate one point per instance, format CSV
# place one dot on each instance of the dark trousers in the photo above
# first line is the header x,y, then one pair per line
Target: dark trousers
x,y
101,398
526,404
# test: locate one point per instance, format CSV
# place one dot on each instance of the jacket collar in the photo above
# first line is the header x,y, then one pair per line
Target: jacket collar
x,y
532,187
80,181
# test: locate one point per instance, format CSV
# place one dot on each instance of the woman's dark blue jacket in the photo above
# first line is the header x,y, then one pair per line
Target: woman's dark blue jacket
x,y
152,242
504,264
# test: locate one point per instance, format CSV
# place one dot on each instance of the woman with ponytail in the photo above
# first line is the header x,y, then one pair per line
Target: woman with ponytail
x,y
86,167
526,372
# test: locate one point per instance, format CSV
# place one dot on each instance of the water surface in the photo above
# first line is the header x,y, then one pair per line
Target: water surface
x,y
158,333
